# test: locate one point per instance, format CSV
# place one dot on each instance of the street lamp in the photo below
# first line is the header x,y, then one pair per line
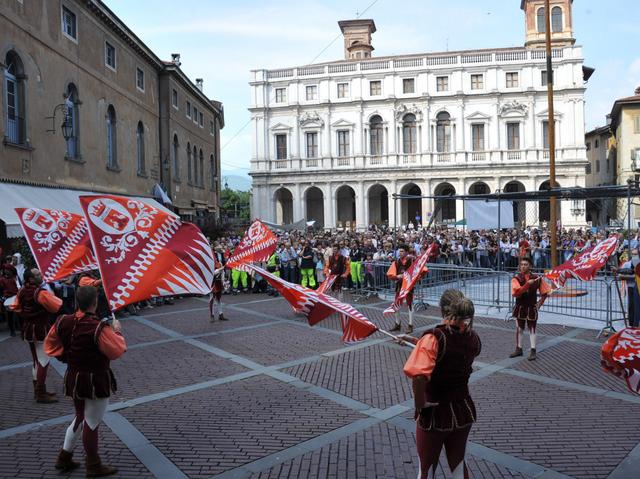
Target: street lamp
x,y
67,128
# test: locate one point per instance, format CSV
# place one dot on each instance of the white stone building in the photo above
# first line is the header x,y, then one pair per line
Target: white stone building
x,y
334,141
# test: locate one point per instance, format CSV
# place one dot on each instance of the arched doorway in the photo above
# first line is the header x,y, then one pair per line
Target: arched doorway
x,y
544,206
315,206
444,210
519,207
284,206
411,208
378,205
346,207
479,188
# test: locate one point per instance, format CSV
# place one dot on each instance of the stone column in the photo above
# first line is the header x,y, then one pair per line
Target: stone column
x,y
329,207
362,216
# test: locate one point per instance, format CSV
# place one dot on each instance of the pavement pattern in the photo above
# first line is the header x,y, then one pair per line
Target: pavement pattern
x,y
264,395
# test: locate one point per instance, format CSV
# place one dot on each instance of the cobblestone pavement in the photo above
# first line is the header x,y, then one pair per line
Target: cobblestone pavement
x,y
263,395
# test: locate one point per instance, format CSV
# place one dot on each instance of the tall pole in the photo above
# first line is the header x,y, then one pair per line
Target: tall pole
x,y
553,220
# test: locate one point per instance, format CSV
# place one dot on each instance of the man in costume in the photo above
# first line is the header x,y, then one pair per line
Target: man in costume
x,y
36,305
215,303
338,264
525,287
440,366
8,289
395,273
87,345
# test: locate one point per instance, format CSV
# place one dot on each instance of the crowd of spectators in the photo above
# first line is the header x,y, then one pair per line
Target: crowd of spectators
x,y
489,249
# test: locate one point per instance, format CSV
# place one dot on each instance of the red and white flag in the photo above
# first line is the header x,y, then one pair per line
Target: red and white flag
x,y
327,283
410,278
145,252
585,265
59,241
258,244
316,306
621,353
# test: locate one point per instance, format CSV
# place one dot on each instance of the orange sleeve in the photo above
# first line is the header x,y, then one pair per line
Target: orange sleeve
x,y
545,288
516,289
422,360
49,301
52,344
392,271
347,268
111,344
87,281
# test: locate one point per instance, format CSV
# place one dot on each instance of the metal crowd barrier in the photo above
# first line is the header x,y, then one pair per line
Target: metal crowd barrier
x,y
604,300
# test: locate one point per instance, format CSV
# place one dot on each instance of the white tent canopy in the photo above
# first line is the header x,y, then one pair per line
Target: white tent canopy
x,y
23,196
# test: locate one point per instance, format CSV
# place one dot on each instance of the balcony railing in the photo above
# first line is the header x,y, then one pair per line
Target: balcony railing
x,y
409,159
312,163
375,160
443,157
442,59
343,161
514,155
280,164
478,156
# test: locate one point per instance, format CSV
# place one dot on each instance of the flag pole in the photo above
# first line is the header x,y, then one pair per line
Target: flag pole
x,y
553,219
397,338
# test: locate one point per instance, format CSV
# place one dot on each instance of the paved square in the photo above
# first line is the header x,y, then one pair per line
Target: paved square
x,y
264,395
372,375
226,426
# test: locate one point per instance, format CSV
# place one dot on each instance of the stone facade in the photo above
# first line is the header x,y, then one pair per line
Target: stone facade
x,y
625,126
333,142
115,91
601,171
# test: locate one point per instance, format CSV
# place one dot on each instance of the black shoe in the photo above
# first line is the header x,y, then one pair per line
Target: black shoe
x,y
516,353
222,318
395,328
532,355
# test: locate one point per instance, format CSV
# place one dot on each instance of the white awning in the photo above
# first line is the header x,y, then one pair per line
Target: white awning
x,y
23,196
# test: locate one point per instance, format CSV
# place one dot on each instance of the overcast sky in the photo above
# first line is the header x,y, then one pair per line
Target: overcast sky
x,y
221,41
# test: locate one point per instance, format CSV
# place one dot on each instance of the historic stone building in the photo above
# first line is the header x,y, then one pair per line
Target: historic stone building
x,y
334,141
124,121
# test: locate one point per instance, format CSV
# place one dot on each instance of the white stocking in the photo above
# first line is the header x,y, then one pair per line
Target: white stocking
x,y
397,315
410,316
94,410
43,359
71,436
532,338
519,333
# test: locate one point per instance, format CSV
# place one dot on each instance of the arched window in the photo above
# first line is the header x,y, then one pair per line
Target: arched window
x,y
112,145
194,177
556,20
201,180
176,159
140,148
73,118
541,21
376,135
14,79
409,140
443,132
189,177
213,172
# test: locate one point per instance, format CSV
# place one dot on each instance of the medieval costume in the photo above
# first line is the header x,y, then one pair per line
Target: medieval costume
x,y
87,345
338,264
215,303
442,360
524,288
36,306
395,273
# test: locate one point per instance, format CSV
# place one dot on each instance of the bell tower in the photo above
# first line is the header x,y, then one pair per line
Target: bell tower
x,y
357,38
535,23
